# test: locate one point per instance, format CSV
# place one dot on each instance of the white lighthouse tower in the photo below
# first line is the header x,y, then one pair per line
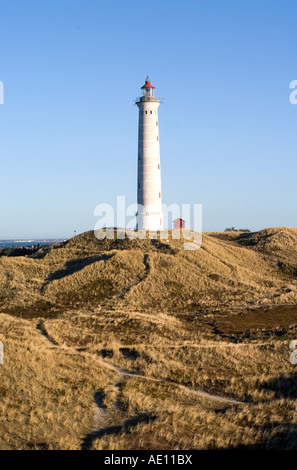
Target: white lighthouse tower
x,y
149,215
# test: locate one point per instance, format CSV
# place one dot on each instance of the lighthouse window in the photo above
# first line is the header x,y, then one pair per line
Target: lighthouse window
x,y
157,137
146,112
158,166
151,112
157,123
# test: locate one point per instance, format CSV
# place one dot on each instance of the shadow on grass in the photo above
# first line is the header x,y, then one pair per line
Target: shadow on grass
x,y
283,386
115,430
76,265
280,437
276,435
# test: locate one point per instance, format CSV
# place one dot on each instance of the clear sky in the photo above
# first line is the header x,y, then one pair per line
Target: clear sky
x,y
68,126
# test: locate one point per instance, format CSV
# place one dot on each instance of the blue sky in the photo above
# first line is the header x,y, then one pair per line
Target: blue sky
x,y
68,127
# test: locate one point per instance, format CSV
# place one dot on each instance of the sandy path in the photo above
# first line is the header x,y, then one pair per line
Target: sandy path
x,y
126,373
123,373
100,416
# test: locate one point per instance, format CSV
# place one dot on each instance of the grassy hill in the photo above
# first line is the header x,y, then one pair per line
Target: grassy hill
x,y
131,344
85,273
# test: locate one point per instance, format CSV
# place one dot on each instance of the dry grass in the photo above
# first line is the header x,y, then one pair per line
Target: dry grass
x,y
152,274
46,392
75,319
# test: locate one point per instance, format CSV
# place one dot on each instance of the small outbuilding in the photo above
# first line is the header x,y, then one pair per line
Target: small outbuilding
x,y
179,223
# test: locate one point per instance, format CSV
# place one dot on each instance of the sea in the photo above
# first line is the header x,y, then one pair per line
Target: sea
x,y
18,242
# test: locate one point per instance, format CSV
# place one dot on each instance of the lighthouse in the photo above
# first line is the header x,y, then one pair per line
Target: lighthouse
x,y
149,196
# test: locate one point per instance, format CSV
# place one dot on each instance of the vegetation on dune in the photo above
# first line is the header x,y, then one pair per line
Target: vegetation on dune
x,y
229,270
139,344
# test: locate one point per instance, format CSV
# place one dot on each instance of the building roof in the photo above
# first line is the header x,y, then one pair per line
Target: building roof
x,y
147,84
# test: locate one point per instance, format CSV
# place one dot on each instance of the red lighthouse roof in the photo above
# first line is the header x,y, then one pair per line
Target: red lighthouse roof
x,y
147,84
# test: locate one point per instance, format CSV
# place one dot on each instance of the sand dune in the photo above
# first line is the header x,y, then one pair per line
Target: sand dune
x,y
139,344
